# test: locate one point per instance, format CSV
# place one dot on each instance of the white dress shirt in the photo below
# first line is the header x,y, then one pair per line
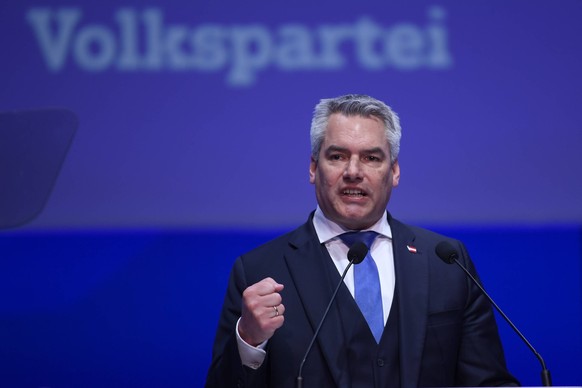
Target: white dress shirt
x,y
328,233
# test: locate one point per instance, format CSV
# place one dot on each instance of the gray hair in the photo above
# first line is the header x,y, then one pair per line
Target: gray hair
x,y
355,105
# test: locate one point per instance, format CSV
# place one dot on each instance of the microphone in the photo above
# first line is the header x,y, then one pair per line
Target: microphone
x,y
449,255
356,255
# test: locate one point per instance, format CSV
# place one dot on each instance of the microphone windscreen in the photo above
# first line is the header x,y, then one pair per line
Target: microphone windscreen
x,y
446,252
357,252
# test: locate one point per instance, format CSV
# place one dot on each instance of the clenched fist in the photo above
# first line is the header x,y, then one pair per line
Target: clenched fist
x,y
262,311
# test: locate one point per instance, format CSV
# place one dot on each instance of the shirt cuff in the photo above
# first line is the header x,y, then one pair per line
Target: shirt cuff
x,y
250,356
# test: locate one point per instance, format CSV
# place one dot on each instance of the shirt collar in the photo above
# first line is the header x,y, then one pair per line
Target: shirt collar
x,y
328,230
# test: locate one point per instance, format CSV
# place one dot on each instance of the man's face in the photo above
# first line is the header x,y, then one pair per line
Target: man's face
x,y
353,177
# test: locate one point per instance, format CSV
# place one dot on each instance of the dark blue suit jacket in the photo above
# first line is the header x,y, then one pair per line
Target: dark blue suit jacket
x,y
447,331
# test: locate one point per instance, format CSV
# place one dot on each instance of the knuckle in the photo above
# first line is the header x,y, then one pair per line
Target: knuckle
x,y
252,304
248,292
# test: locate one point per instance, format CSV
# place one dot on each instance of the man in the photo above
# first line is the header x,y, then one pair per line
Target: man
x,y
436,328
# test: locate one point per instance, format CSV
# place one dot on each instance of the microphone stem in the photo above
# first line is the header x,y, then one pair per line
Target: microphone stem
x,y
546,378
299,375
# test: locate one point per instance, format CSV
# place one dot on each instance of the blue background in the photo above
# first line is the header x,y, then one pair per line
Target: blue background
x,y
175,172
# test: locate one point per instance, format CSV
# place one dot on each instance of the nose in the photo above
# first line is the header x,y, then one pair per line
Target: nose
x,y
353,169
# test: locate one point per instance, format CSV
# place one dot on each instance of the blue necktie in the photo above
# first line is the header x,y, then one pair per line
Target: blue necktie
x,y
367,284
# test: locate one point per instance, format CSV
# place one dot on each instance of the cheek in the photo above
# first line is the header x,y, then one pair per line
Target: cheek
x,y
326,177
384,180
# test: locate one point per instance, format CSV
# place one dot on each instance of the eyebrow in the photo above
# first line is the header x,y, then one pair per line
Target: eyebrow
x,y
335,148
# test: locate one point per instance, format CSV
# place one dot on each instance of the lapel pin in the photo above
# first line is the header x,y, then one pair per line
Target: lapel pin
x,y
411,249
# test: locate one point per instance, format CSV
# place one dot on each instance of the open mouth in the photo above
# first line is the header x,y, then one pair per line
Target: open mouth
x,y
353,193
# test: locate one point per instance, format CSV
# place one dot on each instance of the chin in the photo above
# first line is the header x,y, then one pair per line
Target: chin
x,y
355,222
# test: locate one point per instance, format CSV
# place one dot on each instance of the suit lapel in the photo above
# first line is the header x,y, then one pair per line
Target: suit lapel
x,y
307,266
412,282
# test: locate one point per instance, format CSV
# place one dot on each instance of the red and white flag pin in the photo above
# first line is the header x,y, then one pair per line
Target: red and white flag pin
x,y
411,249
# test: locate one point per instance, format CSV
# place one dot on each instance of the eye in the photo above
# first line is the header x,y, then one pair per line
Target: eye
x,y
372,158
335,157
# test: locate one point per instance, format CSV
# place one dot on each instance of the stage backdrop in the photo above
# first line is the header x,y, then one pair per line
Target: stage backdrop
x,y
192,147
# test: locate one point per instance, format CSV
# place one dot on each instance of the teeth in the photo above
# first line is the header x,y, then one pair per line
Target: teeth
x,y
352,192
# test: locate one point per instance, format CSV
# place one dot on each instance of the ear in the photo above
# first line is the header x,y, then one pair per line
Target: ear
x,y
395,173
312,170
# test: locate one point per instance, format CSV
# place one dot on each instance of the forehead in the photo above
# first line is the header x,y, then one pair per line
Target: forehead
x,y
355,131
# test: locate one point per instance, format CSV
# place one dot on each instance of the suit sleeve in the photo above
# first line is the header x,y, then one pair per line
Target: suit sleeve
x,y
481,361
226,369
